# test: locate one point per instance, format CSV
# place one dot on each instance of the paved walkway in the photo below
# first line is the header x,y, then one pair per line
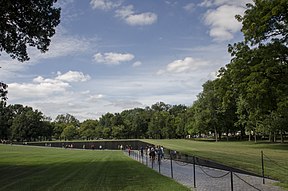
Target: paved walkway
x,y
207,179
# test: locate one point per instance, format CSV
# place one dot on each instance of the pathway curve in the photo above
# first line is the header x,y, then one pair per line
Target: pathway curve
x,y
207,179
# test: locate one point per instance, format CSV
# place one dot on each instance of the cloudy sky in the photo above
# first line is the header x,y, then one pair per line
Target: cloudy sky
x,y
112,55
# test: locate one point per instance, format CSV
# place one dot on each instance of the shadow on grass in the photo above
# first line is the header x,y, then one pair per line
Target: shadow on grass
x,y
274,146
94,175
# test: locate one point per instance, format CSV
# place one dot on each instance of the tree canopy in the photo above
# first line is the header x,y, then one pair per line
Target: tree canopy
x,y
248,97
25,23
3,91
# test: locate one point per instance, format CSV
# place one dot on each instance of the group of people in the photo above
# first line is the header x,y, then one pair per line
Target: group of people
x,y
155,152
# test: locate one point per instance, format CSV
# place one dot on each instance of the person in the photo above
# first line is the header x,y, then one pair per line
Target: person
x,y
100,147
142,151
129,151
152,154
162,152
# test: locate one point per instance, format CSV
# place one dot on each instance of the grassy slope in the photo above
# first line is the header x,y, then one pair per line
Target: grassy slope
x,y
244,155
34,168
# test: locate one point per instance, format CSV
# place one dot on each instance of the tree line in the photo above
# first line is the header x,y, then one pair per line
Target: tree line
x,y
160,121
249,97
23,123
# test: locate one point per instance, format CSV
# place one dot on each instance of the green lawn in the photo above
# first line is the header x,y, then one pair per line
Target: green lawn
x,y
35,168
243,155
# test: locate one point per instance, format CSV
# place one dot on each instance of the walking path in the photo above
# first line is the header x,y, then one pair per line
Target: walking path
x,y
207,179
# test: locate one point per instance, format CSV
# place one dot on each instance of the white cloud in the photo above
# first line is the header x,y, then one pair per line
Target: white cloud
x,y
95,97
210,3
39,88
220,17
222,22
73,76
61,45
128,15
113,58
188,64
43,87
104,4
126,104
190,7
137,64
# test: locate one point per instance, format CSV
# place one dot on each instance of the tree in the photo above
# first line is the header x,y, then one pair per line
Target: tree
x,y
258,70
70,132
87,129
25,23
5,121
61,122
264,20
3,91
106,124
67,119
160,106
27,125
179,117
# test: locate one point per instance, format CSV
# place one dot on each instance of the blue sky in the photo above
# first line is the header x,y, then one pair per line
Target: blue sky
x,y
110,55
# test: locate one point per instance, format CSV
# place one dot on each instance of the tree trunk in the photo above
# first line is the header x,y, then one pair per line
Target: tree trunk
x,y
249,135
274,138
270,137
215,132
255,137
281,136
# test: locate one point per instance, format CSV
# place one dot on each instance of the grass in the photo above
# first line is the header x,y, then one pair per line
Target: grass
x,y
36,168
243,155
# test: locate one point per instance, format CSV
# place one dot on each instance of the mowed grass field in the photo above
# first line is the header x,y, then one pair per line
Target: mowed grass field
x,y
38,168
243,155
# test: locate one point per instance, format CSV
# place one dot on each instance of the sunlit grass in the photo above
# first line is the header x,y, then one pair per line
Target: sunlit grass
x,y
243,155
38,168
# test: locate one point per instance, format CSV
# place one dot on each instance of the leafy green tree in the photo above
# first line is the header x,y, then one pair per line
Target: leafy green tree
x,y
193,124
159,126
87,129
259,76
3,91
58,129
61,122
46,131
67,119
160,106
118,132
27,125
258,69
5,121
138,120
179,119
70,132
106,124
264,20
25,23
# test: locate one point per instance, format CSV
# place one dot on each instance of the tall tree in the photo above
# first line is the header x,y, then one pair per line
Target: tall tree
x,y
70,132
5,121
29,22
67,119
259,72
87,129
3,91
27,125
264,20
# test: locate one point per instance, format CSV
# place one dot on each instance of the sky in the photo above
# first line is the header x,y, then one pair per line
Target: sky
x,y
114,55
